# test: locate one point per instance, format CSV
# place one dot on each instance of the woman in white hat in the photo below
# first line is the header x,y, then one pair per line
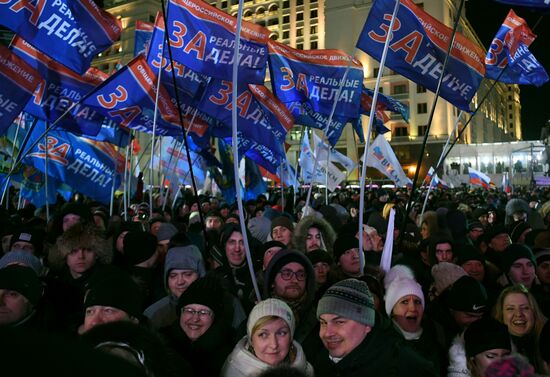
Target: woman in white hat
x,y
268,343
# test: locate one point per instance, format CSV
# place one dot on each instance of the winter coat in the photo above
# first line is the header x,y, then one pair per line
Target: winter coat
x,y
206,354
457,359
242,363
382,353
300,233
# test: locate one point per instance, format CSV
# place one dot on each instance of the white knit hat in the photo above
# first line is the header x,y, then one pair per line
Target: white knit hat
x,y
399,271
267,308
400,288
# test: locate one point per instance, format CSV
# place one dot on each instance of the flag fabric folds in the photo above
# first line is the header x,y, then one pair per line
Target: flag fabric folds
x,y
61,88
506,186
19,80
510,48
418,49
202,38
86,165
72,32
335,156
307,163
142,37
534,4
128,98
477,178
387,103
382,158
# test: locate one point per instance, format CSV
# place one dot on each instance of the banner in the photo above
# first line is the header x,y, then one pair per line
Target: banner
x,y
535,4
307,163
128,98
510,48
202,38
477,178
61,88
418,49
335,156
19,80
72,32
142,37
382,158
315,77
386,103
188,81
86,165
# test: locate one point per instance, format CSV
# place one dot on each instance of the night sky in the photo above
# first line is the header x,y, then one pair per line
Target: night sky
x,y
486,16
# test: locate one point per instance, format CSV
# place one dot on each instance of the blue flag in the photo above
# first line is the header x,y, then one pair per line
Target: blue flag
x,y
202,38
188,81
225,180
112,133
128,98
19,80
143,34
254,184
315,77
86,165
534,4
388,103
262,118
418,49
72,32
305,115
510,48
61,88
33,186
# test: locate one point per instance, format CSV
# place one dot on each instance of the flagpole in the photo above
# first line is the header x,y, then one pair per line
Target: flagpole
x,y
125,183
234,142
304,130
439,162
112,193
432,112
368,136
325,131
20,196
172,171
182,124
46,190
130,173
13,154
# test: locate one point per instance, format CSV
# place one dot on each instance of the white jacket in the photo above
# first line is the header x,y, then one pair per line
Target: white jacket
x,y
242,363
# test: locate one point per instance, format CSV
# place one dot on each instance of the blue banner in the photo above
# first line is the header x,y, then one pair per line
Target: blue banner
x,y
202,38
534,4
306,116
188,81
315,77
61,88
128,98
72,32
388,103
225,180
33,186
510,49
19,80
254,184
142,37
261,117
87,166
418,49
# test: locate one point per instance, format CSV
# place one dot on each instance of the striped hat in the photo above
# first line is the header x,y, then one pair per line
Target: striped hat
x,y
349,299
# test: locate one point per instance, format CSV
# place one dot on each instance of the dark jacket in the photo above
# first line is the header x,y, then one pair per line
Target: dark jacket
x,y
382,353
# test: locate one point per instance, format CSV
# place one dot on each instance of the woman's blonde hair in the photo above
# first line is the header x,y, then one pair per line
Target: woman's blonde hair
x,y
262,322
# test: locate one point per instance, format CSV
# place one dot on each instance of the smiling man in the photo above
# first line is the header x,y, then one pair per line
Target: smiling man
x,y
356,342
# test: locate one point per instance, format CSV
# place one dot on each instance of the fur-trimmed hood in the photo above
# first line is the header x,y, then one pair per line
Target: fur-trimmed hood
x,y
80,236
300,233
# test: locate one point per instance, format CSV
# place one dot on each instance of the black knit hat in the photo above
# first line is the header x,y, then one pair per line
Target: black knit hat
x,y
343,244
115,289
23,280
319,255
205,291
467,253
518,229
35,238
268,245
281,259
513,253
486,334
282,221
138,247
467,295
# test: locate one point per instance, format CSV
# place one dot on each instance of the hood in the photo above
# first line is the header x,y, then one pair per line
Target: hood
x,y
300,233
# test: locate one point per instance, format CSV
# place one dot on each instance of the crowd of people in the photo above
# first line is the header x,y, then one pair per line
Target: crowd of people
x,y
173,291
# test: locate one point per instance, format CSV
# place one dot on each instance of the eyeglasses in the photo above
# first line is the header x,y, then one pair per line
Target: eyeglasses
x,y
203,313
288,274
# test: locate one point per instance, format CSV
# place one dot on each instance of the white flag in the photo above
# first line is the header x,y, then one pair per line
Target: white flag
x,y
382,158
335,156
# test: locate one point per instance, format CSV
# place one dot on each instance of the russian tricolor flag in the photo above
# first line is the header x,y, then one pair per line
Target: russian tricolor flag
x,y
477,178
